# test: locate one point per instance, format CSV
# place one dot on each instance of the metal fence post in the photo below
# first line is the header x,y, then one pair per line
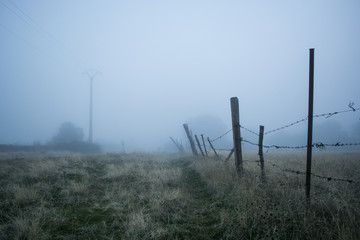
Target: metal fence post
x,y
310,125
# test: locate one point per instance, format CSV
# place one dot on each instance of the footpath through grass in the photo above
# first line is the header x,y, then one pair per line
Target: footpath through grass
x,y
201,216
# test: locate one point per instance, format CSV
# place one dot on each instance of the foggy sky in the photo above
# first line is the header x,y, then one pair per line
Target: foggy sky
x,y
164,63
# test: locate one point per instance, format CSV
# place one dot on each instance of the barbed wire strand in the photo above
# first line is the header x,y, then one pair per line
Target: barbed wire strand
x,y
223,149
313,174
248,130
304,173
326,115
318,145
286,126
221,136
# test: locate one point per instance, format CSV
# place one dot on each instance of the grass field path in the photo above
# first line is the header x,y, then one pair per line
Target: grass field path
x,y
202,212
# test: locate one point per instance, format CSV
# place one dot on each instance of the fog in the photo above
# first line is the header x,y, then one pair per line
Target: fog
x,y
165,63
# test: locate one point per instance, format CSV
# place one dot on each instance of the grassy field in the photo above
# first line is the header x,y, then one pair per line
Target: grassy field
x,y
164,196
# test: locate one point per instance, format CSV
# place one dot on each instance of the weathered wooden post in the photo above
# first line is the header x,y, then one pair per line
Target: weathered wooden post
x,y
229,156
199,145
191,140
261,154
310,125
212,147
178,145
202,137
236,133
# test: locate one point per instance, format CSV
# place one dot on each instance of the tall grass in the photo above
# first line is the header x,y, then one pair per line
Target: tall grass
x,y
163,196
277,208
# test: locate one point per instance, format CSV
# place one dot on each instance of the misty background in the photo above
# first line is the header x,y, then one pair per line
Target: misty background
x,y
165,63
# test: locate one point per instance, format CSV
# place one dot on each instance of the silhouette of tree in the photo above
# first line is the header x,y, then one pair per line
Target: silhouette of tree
x,y
68,133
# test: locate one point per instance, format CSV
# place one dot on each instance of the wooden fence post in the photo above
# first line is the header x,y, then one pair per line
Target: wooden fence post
x,y
261,154
212,147
202,137
198,142
178,145
236,133
310,125
229,156
191,140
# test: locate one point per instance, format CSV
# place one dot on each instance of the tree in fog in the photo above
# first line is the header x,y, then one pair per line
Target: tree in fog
x,y
68,133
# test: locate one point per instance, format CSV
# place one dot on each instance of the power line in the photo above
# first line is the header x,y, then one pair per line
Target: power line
x,y
26,18
26,41
31,25
42,31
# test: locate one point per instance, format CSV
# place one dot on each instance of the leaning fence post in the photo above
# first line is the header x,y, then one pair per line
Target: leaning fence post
x,y
310,125
236,133
191,140
179,146
202,137
198,142
229,156
261,154
212,147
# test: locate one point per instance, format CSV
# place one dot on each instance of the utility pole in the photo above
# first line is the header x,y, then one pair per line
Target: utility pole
x,y
91,73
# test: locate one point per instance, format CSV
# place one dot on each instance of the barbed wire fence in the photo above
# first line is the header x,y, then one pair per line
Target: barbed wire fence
x,y
313,174
318,145
326,115
238,140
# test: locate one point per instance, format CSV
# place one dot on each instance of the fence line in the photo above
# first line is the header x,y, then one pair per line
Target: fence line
x,y
221,136
224,134
224,149
326,115
237,139
286,126
319,145
248,130
314,175
304,173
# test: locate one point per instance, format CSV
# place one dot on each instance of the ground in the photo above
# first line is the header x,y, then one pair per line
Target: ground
x,y
170,196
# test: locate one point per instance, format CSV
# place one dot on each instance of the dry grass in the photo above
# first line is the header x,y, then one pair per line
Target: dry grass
x,y
277,208
161,196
